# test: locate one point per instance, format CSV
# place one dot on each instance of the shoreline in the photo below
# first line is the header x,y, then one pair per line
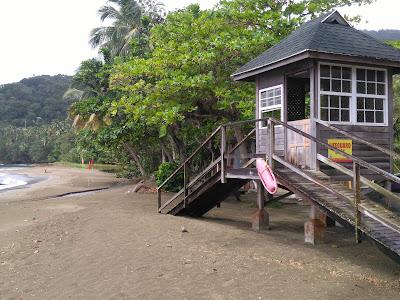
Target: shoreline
x,y
13,178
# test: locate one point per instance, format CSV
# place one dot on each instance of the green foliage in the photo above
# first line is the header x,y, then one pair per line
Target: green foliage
x,y
396,114
164,84
164,171
45,143
33,101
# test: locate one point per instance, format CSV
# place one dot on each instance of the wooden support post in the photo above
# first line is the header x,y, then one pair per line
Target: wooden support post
x,y
314,228
260,219
271,128
185,184
223,150
357,194
159,199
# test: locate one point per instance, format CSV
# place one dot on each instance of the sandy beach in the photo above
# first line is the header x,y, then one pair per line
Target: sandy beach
x,y
111,244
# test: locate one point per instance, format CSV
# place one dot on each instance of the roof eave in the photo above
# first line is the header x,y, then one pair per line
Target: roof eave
x,y
274,65
348,58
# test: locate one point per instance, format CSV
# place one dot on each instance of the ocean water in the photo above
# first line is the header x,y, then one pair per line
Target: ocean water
x,y
9,181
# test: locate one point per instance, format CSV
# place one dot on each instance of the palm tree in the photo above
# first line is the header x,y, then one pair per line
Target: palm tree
x,y
127,18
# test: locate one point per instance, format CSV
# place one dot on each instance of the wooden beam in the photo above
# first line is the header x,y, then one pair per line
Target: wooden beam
x,y
367,182
357,199
223,150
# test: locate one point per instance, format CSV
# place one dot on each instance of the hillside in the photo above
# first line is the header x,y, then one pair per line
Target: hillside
x,y
34,98
385,34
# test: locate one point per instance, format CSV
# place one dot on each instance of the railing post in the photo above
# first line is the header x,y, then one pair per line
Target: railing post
x,y
271,145
357,194
223,150
159,199
185,184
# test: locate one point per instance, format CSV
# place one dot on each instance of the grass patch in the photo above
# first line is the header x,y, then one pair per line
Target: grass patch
x,y
100,167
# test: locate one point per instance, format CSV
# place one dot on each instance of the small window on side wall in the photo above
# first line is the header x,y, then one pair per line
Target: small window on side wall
x,y
270,103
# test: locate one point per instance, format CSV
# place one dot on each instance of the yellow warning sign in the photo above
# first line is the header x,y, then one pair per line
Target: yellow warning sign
x,y
344,145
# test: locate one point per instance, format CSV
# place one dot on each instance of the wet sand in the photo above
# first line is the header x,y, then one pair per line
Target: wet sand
x,y
113,245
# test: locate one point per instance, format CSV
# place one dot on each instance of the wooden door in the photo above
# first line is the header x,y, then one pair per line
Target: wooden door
x,y
299,147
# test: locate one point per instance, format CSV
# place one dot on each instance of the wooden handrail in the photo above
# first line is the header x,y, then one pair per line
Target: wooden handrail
x,y
349,156
367,182
358,139
357,199
189,158
242,141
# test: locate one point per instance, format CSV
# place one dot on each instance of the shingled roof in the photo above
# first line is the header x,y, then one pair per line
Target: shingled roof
x,y
330,34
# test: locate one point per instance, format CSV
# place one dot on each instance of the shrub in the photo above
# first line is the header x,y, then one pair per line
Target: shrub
x,y
164,171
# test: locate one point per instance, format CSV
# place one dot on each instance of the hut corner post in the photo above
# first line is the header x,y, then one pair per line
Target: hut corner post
x,y
260,220
314,228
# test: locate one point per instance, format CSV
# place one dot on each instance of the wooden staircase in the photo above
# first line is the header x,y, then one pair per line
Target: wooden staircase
x,y
216,181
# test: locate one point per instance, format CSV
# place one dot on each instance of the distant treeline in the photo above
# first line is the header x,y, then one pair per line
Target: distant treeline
x,y
384,34
33,101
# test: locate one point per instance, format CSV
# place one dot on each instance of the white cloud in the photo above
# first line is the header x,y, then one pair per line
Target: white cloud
x,y
51,36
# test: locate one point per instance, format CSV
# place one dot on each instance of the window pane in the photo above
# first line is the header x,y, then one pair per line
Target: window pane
x,y
360,103
361,87
346,73
336,72
380,76
369,103
278,92
270,94
334,115
325,85
324,114
334,101
360,116
325,71
369,117
379,104
371,75
360,74
324,101
381,89
379,117
346,86
371,89
336,86
345,115
272,113
263,103
263,95
345,102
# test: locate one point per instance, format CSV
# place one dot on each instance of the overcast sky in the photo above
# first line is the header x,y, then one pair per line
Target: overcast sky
x,y
51,36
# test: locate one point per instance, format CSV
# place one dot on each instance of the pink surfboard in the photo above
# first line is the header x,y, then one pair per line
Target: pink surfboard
x,y
267,177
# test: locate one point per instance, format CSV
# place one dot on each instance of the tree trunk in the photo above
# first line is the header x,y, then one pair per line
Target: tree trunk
x,y
166,152
239,136
177,145
135,158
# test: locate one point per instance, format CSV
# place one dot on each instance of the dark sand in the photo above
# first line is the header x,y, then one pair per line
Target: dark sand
x,y
113,245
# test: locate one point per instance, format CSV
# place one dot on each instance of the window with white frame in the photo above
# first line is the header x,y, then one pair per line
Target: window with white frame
x,y
335,93
270,103
353,95
371,96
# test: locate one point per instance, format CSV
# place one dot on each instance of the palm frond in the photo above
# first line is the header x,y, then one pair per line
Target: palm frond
x,y
108,12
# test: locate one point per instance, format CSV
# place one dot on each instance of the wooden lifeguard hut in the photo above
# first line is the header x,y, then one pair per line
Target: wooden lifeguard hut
x,y
324,104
